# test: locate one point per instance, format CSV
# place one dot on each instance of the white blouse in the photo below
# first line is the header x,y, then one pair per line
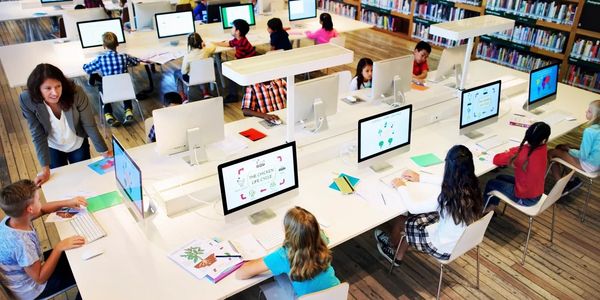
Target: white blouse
x,y
62,137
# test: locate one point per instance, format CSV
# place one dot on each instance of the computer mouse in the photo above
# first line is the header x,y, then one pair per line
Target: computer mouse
x,y
275,122
90,253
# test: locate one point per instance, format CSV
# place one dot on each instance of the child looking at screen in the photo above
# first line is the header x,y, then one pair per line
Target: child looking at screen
x,y
420,66
279,37
326,32
197,50
364,74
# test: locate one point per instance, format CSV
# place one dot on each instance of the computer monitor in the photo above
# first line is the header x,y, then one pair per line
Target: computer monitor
x,y
315,99
543,83
302,9
190,127
144,13
479,106
72,17
243,11
382,136
174,24
267,7
55,3
451,64
129,180
213,9
90,32
390,74
254,179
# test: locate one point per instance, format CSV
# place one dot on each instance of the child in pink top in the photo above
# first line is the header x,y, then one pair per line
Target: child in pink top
x,y
324,34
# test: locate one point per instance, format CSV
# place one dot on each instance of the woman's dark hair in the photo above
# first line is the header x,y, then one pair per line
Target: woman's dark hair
x,y
326,21
362,63
275,24
47,71
194,41
460,196
536,135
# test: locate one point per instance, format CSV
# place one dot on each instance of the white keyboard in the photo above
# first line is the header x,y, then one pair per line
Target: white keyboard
x,y
86,225
491,142
553,118
271,239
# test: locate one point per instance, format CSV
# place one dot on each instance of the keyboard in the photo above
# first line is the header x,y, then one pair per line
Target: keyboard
x,y
86,225
491,142
271,239
553,118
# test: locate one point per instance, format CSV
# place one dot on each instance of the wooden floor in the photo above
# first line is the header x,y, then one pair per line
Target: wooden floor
x,y
567,269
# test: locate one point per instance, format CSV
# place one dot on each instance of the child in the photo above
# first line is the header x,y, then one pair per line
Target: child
x,y
170,99
530,161
437,222
420,66
304,258
264,97
364,74
587,157
200,13
324,34
111,63
26,271
279,37
197,50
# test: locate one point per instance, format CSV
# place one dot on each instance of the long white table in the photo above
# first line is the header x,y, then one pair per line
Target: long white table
x,y
135,263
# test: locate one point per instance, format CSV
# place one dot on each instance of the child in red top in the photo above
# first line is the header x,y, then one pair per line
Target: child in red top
x,y
420,67
529,161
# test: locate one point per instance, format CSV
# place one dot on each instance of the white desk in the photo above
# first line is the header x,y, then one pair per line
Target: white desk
x,y
135,263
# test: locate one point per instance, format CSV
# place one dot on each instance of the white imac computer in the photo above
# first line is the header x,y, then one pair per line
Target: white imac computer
x,y
72,17
144,12
451,64
392,78
315,100
382,136
90,32
248,182
189,127
231,13
543,84
301,10
55,3
267,7
479,107
171,26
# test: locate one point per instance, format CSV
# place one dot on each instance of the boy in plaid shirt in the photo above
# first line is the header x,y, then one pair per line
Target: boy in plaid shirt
x,y
263,98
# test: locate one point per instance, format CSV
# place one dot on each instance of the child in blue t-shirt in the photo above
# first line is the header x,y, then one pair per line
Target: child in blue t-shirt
x,y
25,271
304,258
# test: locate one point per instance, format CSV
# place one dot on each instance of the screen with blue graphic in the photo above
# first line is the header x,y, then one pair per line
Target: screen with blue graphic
x,y
480,103
128,175
543,83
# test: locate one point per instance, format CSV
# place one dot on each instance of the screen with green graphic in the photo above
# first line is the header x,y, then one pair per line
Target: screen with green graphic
x,y
232,13
383,132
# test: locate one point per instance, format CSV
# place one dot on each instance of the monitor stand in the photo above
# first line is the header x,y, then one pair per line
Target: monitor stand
x,y
320,118
537,111
261,216
474,134
197,148
397,102
380,167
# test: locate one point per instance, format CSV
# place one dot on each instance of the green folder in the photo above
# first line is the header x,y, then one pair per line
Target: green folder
x,y
103,201
426,160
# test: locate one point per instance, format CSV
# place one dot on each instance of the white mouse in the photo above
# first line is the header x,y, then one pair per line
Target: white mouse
x,y
351,99
275,122
92,252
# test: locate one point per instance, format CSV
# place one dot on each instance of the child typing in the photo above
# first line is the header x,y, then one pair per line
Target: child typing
x,y
324,34
279,37
27,272
364,74
304,258
420,66
197,50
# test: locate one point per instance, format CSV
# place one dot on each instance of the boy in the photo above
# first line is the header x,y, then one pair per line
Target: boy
x,y
263,98
243,49
27,273
170,99
111,63
420,67
200,13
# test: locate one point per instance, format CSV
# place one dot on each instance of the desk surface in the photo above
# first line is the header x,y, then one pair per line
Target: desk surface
x,y
135,262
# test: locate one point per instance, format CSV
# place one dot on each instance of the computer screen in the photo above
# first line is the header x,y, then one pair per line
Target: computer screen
x,y
384,132
258,177
90,32
543,83
128,175
302,9
480,103
174,24
242,11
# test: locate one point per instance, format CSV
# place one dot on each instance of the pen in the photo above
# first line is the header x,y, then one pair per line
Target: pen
x,y
426,172
383,198
520,115
219,256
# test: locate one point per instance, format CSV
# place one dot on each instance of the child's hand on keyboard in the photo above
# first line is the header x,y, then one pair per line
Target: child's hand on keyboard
x,y
77,202
70,243
398,182
410,175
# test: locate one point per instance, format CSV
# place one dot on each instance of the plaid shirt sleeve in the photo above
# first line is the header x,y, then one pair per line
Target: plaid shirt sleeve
x,y
132,61
152,135
93,66
249,100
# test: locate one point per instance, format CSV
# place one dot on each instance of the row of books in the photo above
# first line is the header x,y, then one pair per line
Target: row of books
x,y
582,78
541,38
585,49
338,8
402,6
438,12
556,12
470,2
421,32
381,21
510,57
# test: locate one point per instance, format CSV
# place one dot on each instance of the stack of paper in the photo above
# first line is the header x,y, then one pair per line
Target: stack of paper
x,y
205,258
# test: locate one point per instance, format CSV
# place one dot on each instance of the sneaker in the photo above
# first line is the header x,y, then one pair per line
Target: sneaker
x,y
388,252
382,237
128,116
572,185
110,120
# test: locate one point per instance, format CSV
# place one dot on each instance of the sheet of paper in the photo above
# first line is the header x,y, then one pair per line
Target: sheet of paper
x,y
248,246
196,257
103,201
103,166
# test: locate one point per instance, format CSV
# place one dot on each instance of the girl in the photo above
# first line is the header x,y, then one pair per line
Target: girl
x,y
279,37
530,162
197,50
304,258
587,157
438,222
364,73
324,34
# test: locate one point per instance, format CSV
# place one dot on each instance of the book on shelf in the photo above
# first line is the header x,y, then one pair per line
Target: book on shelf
x,y
586,49
557,12
421,32
338,8
580,77
549,40
510,57
438,12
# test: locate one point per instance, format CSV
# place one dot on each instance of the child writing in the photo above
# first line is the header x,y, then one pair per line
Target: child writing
x,y
436,223
279,37
529,161
420,66
364,74
27,272
324,34
197,50
304,258
587,157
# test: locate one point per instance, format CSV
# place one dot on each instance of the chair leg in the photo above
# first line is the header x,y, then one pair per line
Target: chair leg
x,y
587,199
396,253
486,203
140,110
504,209
549,168
217,88
477,266
527,241
102,119
440,283
552,224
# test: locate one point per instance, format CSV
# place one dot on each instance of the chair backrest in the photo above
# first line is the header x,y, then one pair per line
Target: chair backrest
x,y
339,40
556,191
183,7
338,292
345,77
471,237
202,71
147,125
117,88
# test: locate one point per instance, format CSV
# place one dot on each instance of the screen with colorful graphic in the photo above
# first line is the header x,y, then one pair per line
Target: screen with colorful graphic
x,y
258,177
543,83
232,13
128,175
384,132
479,103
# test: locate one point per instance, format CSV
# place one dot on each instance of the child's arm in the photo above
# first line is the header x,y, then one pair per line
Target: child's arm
x,y
222,44
502,159
421,76
251,113
39,272
92,67
251,268
56,205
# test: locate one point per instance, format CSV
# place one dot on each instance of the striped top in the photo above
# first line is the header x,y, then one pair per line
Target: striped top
x,y
243,48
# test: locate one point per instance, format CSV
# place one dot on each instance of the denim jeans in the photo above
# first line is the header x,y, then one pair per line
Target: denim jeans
x,y
61,278
59,158
506,185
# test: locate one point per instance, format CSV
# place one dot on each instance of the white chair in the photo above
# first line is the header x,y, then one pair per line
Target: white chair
x,y
345,77
590,177
272,291
202,71
471,238
117,88
148,123
535,210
